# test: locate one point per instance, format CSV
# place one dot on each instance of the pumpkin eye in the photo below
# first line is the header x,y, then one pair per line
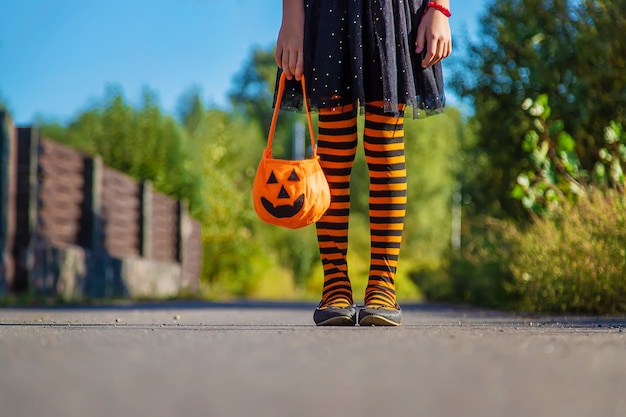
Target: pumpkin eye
x,y
293,176
272,179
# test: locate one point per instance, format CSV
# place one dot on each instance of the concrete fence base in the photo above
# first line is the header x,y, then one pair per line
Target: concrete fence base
x,y
74,273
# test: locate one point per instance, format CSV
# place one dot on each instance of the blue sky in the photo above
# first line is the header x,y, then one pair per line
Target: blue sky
x,y
58,56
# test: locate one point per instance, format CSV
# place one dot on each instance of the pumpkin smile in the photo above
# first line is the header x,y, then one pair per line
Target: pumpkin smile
x,y
284,210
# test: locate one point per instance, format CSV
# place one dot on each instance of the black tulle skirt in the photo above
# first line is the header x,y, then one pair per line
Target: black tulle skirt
x,y
358,51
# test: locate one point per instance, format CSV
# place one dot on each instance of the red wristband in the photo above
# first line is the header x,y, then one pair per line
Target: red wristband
x,y
439,7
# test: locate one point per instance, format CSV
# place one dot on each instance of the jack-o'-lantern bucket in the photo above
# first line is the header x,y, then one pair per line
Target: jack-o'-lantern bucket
x,y
290,193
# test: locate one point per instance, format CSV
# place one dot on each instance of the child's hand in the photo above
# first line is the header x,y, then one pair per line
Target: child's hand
x,y
434,32
289,49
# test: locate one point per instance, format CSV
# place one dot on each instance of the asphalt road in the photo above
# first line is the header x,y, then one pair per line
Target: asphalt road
x,y
257,359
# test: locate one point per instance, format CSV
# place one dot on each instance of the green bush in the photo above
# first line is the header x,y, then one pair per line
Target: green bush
x,y
575,261
477,273
571,257
572,261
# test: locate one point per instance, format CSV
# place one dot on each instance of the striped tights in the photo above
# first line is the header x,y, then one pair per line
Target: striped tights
x,y
383,141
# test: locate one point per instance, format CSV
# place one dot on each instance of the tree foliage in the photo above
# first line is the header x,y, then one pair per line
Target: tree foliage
x,y
570,50
3,105
228,159
253,96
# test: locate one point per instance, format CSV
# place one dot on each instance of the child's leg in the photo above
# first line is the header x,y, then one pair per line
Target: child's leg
x,y
337,144
383,141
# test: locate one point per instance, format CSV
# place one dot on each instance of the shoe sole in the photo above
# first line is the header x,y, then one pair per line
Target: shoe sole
x,y
374,320
337,321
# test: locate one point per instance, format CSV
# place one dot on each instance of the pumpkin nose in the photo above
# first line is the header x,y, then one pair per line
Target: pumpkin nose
x,y
283,193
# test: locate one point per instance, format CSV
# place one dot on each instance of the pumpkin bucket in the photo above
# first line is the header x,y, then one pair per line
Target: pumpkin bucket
x,y
290,193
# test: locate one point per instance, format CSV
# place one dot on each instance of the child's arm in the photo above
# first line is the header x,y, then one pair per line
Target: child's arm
x,y
434,32
289,55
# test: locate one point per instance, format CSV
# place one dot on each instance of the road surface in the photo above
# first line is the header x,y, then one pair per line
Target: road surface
x,y
265,359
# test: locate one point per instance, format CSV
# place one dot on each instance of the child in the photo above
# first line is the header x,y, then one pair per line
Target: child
x,y
380,56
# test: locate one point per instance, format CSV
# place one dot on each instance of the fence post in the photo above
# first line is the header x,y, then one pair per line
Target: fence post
x,y
7,201
183,227
91,227
183,231
146,220
27,181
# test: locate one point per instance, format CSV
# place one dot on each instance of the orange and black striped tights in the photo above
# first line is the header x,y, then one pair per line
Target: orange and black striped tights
x,y
383,141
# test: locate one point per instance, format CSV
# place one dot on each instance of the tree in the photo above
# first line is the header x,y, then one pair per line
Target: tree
x,y
600,71
253,97
228,160
533,47
191,110
434,160
253,91
3,104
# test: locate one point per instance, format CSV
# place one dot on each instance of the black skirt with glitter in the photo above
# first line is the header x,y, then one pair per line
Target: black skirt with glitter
x,y
358,51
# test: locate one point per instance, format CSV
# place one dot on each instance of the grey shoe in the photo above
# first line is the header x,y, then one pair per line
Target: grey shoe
x,y
380,316
335,316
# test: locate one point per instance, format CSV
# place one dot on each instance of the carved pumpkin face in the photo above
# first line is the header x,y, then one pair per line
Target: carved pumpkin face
x,y
291,194
280,193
